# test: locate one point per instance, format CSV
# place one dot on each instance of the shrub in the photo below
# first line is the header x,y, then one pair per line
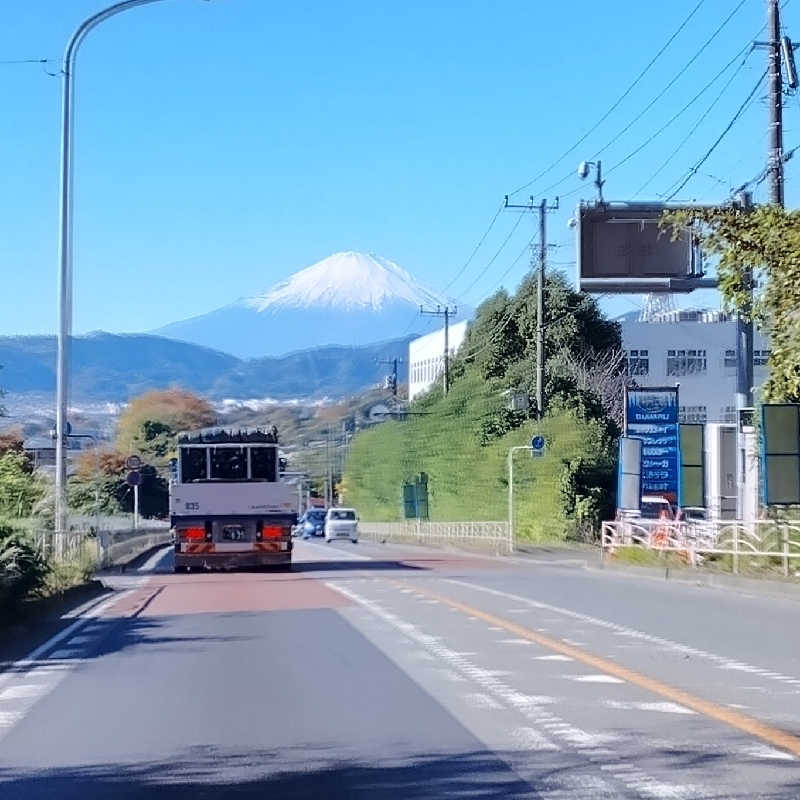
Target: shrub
x,y
23,571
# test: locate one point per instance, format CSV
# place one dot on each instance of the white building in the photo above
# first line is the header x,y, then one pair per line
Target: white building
x,y
696,349
426,357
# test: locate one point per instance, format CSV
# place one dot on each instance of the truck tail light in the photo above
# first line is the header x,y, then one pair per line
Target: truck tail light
x,y
185,534
208,531
259,530
273,532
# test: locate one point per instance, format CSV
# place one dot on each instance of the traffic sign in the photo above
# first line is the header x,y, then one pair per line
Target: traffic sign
x,y
133,462
537,443
134,478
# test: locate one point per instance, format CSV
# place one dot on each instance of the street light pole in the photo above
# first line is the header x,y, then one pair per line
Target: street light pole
x,y
65,245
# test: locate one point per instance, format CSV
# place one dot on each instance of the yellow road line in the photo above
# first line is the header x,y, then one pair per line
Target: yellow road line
x,y
743,722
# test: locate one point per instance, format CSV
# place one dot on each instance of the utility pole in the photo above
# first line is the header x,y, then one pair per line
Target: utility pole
x,y
393,362
540,276
775,160
445,312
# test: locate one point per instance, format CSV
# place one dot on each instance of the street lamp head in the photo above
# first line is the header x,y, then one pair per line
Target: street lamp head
x,y
583,169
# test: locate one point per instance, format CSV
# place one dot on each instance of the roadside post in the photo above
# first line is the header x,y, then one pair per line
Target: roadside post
x,y
134,479
536,448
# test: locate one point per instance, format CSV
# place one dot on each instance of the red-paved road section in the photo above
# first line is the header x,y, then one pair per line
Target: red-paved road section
x,y
220,592
235,592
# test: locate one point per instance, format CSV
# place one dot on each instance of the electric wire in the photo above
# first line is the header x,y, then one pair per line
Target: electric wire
x,y
476,248
615,105
494,257
693,171
614,139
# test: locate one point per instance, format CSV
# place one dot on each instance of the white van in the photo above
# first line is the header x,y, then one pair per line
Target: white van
x,y
341,523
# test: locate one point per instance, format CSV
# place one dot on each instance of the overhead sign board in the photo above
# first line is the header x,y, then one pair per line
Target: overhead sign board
x,y
623,248
651,414
781,454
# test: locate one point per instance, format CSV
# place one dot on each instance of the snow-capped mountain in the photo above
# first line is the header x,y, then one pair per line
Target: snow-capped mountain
x,y
346,299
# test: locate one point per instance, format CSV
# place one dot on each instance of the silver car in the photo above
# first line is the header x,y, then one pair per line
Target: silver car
x,y
341,523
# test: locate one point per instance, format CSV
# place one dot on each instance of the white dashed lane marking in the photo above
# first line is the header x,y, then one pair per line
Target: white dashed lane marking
x,y
41,671
595,747
554,657
21,691
531,739
598,678
664,708
9,718
516,641
624,631
65,655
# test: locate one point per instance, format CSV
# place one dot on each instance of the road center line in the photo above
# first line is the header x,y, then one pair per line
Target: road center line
x,y
632,633
735,719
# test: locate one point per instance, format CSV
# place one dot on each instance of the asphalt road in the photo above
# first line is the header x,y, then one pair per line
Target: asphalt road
x,y
377,671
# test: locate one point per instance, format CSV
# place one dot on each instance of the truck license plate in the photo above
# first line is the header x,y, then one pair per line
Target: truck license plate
x,y
233,533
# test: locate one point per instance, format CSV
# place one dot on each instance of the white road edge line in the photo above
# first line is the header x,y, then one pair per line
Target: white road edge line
x,y
154,559
29,661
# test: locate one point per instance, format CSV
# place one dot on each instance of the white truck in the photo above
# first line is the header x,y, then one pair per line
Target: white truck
x,y
229,506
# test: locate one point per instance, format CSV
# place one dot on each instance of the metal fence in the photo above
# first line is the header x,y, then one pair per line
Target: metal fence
x,y
103,548
775,540
491,535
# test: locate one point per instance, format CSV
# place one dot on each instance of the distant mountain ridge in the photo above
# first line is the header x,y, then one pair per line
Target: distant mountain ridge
x,y
115,367
346,299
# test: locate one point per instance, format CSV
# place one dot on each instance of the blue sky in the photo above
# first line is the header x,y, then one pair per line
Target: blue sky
x,y
223,145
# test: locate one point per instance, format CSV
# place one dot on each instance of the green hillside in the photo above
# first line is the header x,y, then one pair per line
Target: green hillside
x,y
462,440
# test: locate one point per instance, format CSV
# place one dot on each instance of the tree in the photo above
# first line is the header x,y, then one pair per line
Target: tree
x,y
502,340
762,242
20,489
150,424
100,487
11,441
603,374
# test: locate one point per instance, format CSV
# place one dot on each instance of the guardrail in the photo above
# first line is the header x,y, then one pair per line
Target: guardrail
x,y
693,540
103,548
494,535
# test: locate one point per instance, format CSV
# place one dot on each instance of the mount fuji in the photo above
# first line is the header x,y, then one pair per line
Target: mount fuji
x,y
346,299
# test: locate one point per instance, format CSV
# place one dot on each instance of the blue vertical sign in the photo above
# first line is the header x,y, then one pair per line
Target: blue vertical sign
x,y
651,414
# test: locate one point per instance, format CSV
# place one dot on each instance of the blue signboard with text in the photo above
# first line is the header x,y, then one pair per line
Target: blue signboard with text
x,y
651,414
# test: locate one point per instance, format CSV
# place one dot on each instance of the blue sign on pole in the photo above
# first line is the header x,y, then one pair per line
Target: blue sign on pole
x,y
651,414
537,443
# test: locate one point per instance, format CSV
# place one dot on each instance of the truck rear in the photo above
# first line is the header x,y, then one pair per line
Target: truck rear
x,y
229,507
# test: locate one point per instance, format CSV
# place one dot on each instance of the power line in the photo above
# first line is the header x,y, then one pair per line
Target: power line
x,y
614,139
739,112
685,109
494,257
697,124
762,175
616,104
463,267
502,326
476,248
27,61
